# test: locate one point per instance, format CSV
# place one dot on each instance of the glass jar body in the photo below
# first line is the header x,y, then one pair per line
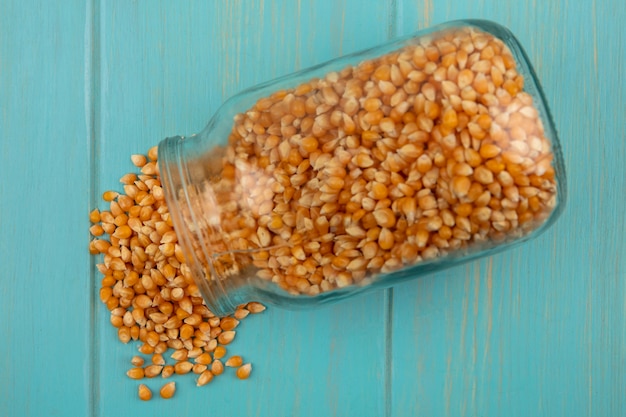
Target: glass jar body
x,y
381,166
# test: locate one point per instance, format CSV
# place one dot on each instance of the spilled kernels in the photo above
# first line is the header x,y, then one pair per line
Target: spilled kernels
x,y
146,285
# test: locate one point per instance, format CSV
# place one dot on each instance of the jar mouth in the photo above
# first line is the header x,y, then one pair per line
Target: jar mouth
x,y
176,168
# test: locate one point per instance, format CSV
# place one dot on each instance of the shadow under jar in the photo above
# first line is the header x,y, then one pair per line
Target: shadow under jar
x,y
385,165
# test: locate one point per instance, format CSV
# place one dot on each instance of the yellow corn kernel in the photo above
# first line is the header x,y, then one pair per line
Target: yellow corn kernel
x,y
109,195
385,239
385,217
144,393
379,191
217,367
204,378
255,307
204,359
167,371
152,370
168,390
135,373
94,216
243,372
183,367
234,361
461,186
229,323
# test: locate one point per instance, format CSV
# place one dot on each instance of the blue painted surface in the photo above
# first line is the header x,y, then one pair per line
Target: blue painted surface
x,y
539,330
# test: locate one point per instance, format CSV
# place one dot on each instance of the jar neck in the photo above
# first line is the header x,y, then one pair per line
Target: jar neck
x,y
183,177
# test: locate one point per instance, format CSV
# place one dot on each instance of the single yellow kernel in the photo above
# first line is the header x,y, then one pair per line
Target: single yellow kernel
x,y
463,210
204,359
385,239
144,393
94,216
461,186
489,150
167,371
379,191
186,331
96,230
255,307
276,223
427,202
123,232
363,160
157,359
135,373
152,370
424,163
109,195
234,361
204,378
105,294
372,104
243,372
387,125
409,151
465,78
219,352
383,72
229,323
138,160
225,338
137,361
511,87
217,367
168,390
183,367
495,166
449,119
385,217
483,175
484,121
146,349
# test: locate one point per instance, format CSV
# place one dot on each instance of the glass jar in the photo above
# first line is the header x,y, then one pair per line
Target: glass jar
x,y
381,166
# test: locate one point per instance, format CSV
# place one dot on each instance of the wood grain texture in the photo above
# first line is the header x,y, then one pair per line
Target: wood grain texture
x,y
536,331
164,70
44,195
539,330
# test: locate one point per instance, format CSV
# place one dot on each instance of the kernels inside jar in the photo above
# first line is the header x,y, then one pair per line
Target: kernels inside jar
x,y
408,157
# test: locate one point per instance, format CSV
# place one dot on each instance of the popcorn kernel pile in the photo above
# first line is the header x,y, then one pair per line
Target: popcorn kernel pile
x,y
149,291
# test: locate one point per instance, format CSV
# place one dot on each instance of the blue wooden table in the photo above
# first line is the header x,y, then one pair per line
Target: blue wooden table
x,y
537,331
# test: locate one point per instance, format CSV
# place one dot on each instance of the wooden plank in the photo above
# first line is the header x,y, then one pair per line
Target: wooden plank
x,y
539,330
45,188
165,68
